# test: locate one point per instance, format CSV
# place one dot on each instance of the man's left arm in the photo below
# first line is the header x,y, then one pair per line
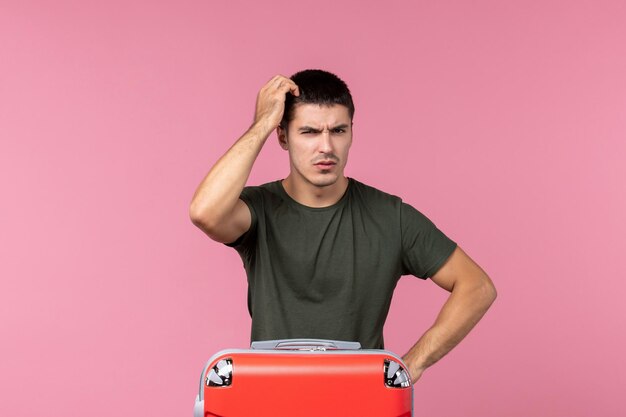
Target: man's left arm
x,y
471,295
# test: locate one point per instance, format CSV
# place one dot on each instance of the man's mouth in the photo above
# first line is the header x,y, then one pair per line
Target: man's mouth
x,y
326,164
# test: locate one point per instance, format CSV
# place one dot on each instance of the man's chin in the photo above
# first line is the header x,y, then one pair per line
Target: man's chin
x,y
325,181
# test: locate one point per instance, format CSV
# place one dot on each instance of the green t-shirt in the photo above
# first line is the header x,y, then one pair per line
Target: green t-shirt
x,y
330,272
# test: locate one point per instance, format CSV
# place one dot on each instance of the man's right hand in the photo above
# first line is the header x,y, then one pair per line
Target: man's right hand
x,y
270,102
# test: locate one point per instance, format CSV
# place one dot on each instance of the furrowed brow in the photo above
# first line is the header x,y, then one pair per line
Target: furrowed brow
x,y
312,129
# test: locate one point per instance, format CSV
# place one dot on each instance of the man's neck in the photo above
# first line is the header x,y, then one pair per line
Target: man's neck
x,y
311,195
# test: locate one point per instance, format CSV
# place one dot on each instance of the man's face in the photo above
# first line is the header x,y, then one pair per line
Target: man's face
x,y
318,140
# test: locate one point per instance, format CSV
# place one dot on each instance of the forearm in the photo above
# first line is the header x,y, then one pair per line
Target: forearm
x,y
463,309
219,191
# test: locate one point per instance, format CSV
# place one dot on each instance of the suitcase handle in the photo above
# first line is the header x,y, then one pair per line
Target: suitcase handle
x,y
305,344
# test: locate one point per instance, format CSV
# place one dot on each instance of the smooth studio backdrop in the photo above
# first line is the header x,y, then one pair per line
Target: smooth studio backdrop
x,y
504,122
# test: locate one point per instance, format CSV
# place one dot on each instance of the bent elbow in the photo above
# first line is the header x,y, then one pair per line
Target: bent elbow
x,y
194,215
200,219
489,290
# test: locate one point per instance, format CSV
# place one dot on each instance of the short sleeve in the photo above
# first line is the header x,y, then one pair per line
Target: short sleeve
x,y
425,248
246,241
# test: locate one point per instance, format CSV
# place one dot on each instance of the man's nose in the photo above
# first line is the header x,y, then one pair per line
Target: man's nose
x,y
326,145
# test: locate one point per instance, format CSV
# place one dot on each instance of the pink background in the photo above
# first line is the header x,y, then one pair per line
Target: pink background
x,y
504,122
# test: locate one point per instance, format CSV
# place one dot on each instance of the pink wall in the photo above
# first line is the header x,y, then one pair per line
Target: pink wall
x,y
504,122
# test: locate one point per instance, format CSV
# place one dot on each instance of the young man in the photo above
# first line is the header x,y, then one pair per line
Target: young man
x,y
323,252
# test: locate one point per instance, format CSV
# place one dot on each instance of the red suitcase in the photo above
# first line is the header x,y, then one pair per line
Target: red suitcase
x,y
304,377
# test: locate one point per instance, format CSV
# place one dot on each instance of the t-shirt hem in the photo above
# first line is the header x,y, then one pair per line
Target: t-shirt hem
x,y
245,234
435,267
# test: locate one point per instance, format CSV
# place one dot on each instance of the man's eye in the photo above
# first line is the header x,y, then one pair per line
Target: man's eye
x,y
334,131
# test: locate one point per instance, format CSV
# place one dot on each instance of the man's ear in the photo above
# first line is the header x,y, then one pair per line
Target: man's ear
x,y
282,138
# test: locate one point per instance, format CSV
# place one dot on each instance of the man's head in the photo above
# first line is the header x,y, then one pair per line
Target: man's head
x,y
317,127
317,87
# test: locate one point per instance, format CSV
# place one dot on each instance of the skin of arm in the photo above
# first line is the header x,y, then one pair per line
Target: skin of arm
x,y
471,294
215,207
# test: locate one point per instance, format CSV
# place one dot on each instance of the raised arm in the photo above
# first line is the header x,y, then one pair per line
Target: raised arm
x,y
472,293
216,207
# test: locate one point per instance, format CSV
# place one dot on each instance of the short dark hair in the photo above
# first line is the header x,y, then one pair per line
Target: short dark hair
x,y
317,87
